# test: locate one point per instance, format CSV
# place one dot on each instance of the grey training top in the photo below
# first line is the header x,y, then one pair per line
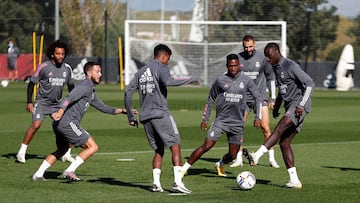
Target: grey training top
x,y
295,86
78,101
151,81
230,93
260,71
51,82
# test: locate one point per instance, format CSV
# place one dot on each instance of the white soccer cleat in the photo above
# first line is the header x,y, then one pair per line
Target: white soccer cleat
x,y
297,185
20,158
157,188
180,188
71,176
237,162
35,178
274,164
67,158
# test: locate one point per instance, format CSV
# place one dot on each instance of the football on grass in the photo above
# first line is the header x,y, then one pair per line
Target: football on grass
x,y
4,83
246,180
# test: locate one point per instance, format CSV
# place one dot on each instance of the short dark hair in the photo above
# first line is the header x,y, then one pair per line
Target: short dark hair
x,y
272,45
57,44
247,38
231,57
89,65
160,48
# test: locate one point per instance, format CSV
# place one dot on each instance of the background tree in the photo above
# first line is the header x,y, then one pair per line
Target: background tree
x,y
308,29
84,21
18,20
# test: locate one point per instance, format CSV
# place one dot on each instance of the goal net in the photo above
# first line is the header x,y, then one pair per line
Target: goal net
x,y
199,48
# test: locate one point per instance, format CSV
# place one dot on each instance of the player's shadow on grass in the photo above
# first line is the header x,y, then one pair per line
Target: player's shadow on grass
x,y
213,160
342,168
27,156
112,181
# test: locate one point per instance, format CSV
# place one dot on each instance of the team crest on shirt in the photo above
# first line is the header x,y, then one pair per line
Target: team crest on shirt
x,y
241,85
226,86
50,74
282,75
64,74
257,64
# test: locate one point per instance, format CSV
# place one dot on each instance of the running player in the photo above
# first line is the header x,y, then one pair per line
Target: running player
x,y
67,119
151,82
230,92
254,65
295,90
51,76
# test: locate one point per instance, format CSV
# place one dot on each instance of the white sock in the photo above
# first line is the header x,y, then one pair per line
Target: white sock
x,y
261,151
177,175
186,166
68,153
271,155
75,164
293,175
238,156
156,176
23,148
43,167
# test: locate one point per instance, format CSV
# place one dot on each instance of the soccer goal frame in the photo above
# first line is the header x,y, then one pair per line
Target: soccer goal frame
x,y
161,37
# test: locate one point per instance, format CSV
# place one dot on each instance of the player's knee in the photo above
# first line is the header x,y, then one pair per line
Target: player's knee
x,y
36,125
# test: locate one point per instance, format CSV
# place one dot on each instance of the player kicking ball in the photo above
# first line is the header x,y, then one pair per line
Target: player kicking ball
x,y
67,127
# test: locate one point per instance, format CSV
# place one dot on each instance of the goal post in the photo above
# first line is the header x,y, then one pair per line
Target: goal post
x,y
199,47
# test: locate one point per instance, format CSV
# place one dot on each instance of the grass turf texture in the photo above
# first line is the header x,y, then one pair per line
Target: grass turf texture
x,y
326,151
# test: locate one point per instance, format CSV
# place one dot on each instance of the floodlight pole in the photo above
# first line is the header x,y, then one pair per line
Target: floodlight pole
x,y
57,24
206,41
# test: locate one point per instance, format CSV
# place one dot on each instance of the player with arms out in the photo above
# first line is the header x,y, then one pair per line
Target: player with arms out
x,y
50,76
295,90
67,119
254,65
229,91
151,82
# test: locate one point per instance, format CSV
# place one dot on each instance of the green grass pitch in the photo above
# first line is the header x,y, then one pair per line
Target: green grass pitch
x,y
326,151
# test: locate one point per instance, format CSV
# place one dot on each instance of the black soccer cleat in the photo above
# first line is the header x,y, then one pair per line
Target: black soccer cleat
x,y
248,157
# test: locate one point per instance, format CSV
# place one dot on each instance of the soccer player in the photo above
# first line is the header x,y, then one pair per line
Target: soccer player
x,y
230,92
67,119
254,65
295,90
50,76
151,82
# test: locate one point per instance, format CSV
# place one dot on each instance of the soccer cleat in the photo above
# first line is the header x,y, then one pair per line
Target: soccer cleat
x,y
35,178
180,188
237,162
20,158
248,157
274,164
220,169
253,160
297,185
156,188
67,158
71,176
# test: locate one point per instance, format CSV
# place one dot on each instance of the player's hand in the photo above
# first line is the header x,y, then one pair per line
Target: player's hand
x,y
134,111
203,125
30,107
271,105
134,123
257,123
57,115
299,111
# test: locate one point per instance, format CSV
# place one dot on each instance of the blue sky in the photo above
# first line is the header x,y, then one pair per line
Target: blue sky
x,y
347,8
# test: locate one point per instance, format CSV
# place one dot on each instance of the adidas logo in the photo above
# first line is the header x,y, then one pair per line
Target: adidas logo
x,y
146,76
